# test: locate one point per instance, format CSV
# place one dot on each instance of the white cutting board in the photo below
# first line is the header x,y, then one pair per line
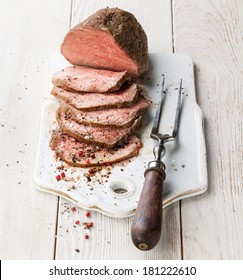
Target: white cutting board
x,y
185,159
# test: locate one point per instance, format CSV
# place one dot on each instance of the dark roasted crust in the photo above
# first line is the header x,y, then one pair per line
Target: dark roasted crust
x,y
126,31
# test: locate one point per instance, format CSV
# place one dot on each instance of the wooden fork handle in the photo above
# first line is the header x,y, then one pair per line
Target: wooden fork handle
x,y
147,222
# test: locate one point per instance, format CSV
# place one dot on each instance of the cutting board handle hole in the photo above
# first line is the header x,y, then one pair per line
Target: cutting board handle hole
x,y
121,187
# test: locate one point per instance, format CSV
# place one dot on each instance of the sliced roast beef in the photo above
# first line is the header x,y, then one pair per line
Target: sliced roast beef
x,y
109,39
81,154
86,79
92,101
115,117
103,136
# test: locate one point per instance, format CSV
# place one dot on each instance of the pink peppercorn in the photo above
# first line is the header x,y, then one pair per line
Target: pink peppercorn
x,y
58,177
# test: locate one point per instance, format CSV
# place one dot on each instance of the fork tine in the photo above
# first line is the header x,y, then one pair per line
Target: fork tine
x,y
177,116
155,127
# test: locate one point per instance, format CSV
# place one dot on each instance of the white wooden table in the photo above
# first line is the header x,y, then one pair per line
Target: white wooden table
x,y
35,225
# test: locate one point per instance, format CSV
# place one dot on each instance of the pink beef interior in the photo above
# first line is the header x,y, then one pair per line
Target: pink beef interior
x,y
99,135
98,49
109,117
92,101
69,149
87,79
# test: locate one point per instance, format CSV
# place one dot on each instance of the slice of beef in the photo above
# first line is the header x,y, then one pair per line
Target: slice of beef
x,y
103,136
81,154
115,117
86,79
109,39
93,101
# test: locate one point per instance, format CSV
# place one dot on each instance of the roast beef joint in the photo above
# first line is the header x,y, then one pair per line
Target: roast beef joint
x,y
101,106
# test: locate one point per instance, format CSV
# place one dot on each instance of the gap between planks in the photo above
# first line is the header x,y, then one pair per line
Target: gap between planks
x,y
173,50
58,199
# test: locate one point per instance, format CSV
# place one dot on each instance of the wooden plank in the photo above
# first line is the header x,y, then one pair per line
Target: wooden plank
x,y
30,32
110,238
211,32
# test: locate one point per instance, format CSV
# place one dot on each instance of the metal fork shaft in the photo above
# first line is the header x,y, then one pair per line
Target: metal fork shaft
x,y
159,150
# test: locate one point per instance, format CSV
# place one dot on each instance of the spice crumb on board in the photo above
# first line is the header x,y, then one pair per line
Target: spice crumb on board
x,y
74,209
58,177
69,179
88,225
88,214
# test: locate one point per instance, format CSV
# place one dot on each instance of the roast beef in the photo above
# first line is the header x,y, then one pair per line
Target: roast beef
x,y
92,101
81,154
109,39
86,79
115,117
104,136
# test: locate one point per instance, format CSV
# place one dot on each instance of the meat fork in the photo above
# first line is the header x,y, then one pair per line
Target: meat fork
x,y
147,222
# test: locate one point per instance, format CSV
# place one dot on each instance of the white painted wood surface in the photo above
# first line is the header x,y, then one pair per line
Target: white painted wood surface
x,y
30,31
206,227
211,31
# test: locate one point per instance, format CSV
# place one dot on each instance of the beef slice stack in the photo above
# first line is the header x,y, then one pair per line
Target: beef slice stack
x,y
100,105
